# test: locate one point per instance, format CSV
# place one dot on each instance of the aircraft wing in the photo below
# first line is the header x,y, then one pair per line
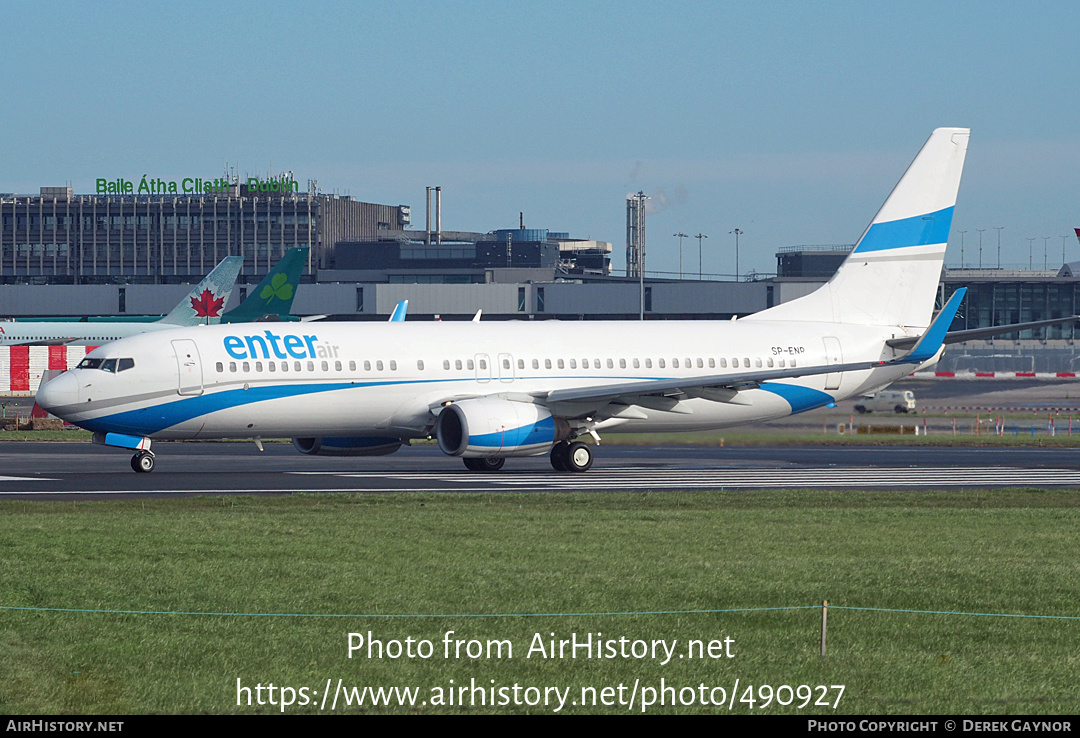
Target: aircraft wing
x,y
666,394
46,342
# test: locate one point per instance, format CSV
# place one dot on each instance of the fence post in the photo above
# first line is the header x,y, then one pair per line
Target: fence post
x,y
824,618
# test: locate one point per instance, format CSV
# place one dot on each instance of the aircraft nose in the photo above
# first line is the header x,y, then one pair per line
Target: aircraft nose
x,y
57,392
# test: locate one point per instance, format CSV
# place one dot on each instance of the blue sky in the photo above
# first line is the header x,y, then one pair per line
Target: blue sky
x,y
788,120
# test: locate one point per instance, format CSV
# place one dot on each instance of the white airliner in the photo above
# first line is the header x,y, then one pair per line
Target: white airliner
x,y
203,304
487,391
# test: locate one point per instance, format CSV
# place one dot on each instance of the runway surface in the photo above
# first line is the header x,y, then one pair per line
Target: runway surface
x,y
85,471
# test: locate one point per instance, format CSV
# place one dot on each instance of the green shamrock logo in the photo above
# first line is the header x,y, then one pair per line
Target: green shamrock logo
x,y
279,287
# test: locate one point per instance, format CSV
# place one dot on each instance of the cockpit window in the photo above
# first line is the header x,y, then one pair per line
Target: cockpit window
x,y
107,365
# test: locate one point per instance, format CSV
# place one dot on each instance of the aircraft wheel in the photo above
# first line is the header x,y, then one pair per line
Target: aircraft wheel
x,y
900,409
489,464
558,456
143,462
860,409
578,457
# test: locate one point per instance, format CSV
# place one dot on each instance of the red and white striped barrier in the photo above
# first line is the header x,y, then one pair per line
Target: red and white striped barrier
x,y
21,367
995,375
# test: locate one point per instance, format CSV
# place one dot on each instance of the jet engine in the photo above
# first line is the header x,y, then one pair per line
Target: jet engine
x,y
488,427
347,446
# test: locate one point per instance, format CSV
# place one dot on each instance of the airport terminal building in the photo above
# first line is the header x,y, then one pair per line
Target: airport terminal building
x,y
132,254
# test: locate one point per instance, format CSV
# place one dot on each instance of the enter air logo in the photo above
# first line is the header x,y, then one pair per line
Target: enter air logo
x,y
270,346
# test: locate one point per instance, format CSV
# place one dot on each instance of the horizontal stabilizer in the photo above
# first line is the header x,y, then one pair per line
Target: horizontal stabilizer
x,y
975,334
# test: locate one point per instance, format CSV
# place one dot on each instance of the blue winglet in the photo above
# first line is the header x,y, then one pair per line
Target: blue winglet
x,y
399,312
934,338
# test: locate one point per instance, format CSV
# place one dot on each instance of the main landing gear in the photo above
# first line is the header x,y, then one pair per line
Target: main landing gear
x,y
143,462
571,456
490,464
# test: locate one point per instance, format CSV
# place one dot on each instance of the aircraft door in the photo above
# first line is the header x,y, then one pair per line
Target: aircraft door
x,y
483,368
189,367
506,368
833,355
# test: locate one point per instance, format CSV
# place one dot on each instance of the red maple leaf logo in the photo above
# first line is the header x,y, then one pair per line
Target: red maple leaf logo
x,y
207,306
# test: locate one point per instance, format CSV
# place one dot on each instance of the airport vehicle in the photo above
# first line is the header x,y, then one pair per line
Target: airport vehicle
x,y
489,391
888,401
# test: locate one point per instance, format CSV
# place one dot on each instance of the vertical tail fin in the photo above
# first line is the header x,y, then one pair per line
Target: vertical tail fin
x,y
892,275
274,295
205,303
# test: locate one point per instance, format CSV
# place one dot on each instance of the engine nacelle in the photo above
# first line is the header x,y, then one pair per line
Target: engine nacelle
x,y
347,446
487,426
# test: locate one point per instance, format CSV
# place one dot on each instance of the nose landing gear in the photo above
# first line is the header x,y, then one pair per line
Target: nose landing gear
x,y
143,462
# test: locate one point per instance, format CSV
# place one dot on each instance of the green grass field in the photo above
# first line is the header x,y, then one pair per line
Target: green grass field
x,y
450,556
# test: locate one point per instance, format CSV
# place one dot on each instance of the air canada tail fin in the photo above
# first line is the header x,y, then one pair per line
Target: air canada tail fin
x,y
273,296
892,275
205,303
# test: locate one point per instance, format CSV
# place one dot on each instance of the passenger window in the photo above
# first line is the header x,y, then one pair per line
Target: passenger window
x,y
660,363
326,366
296,366
352,366
483,363
675,363
781,363
723,363
220,367
535,363
573,363
735,363
247,367
284,366
232,366
337,366
446,364
367,366
757,363
561,364
770,363
622,363
521,363
648,363
258,366
420,364
457,364
311,366
393,365
712,363
378,365
469,363
637,364
506,363
271,366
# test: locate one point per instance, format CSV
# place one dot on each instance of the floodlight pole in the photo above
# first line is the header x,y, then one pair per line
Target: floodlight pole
x,y
680,235
738,232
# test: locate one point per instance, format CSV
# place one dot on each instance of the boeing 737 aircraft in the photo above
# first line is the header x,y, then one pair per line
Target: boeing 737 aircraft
x,y
488,391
